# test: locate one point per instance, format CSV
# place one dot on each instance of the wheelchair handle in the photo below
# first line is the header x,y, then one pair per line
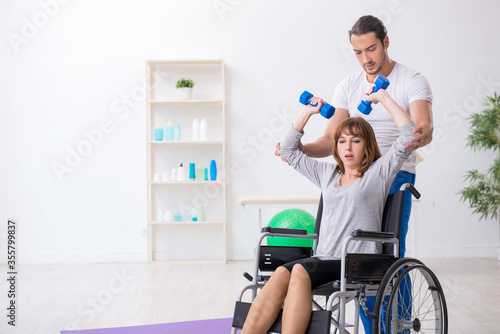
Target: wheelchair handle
x,y
411,188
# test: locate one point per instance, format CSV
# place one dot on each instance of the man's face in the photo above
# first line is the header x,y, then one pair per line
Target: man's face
x,y
370,52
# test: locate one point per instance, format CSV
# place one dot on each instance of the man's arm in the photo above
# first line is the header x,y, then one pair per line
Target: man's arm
x,y
421,114
324,145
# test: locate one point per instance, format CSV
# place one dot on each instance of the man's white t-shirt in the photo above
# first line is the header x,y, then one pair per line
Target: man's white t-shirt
x,y
405,87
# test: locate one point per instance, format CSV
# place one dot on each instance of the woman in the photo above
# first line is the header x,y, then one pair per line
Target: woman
x,y
354,192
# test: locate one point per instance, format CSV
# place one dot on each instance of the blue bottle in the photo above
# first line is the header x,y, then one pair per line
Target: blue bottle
x,y
158,132
169,131
192,174
213,170
177,132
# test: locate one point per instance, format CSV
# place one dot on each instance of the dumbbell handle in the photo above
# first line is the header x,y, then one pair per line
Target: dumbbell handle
x,y
381,82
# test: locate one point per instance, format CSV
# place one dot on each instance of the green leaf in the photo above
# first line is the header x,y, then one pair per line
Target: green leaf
x,y
483,192
184,83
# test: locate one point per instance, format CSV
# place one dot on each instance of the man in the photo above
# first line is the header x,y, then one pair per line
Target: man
x,y
408,88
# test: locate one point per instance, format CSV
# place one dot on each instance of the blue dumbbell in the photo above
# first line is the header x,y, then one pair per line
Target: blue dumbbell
x,y
327,110
381,82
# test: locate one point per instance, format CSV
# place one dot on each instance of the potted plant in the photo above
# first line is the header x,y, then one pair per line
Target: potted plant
x,y
185,88
483,193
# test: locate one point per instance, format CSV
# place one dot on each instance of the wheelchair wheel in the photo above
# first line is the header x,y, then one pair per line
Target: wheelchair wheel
x,y
423,310
385,289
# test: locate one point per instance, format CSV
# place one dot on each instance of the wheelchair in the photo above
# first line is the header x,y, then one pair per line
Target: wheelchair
x,y
408,295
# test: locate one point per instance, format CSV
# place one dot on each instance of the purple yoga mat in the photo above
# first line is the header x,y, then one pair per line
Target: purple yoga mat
x,y
212,326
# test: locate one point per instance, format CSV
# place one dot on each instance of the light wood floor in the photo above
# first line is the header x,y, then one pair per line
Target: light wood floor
x,y
56,297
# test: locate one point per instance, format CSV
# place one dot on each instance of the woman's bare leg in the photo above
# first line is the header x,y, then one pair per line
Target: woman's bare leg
x,y
267,305
298,304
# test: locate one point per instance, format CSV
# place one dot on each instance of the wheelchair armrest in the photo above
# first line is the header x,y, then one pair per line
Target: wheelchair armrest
x,y
372,234
279,230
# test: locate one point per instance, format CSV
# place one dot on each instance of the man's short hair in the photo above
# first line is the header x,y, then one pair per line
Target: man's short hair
x,y
366,24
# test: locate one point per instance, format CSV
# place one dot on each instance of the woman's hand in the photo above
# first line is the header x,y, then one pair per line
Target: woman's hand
x,y
311,110
399,116
375,97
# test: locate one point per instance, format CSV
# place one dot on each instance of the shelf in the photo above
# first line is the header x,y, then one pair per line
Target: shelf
x,y
206,222
186,182
185,102
163,102
187,142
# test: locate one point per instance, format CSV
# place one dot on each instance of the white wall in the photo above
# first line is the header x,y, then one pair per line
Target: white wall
x,y
69,66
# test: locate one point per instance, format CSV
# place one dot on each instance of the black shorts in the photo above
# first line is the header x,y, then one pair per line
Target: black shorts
x,y
320,271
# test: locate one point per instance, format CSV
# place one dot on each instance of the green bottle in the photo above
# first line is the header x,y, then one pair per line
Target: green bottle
x,y
201,217
199,173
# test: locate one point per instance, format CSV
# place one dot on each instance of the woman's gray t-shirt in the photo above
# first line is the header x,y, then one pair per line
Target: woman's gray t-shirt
x,y
356,206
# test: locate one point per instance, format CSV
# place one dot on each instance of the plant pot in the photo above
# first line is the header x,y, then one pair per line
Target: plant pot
x,y
185,93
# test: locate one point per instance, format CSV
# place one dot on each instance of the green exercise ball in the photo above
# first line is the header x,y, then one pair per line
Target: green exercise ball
x,y
292,218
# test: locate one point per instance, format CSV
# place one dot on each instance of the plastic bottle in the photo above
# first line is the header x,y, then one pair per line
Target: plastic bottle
x,y
158,131
167,216
199,173
186,216
169,131
177,216
181,176
194,215
192,172
196,130
213,170
173,174
177,132
205,173
159,217
202,214
203,129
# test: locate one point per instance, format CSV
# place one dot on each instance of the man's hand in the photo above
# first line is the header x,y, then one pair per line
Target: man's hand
x,y
278,148
422,138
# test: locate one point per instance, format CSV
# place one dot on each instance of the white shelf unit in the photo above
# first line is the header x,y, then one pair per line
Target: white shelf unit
x,y
186,240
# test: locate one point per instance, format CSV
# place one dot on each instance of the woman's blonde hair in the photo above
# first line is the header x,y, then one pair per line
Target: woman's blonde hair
x,y
357,126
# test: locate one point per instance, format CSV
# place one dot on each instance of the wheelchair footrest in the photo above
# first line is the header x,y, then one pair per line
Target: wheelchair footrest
x,y
319,324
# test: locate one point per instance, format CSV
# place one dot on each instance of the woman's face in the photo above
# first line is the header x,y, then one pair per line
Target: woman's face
x,y
351,150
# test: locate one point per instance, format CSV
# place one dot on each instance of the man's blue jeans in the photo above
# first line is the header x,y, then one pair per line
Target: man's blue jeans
x,y
401,178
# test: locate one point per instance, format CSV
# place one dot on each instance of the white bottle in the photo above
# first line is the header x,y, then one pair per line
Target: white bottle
x,y
173,174
167,216
203,129
181,175
194,215
196,129
160,216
